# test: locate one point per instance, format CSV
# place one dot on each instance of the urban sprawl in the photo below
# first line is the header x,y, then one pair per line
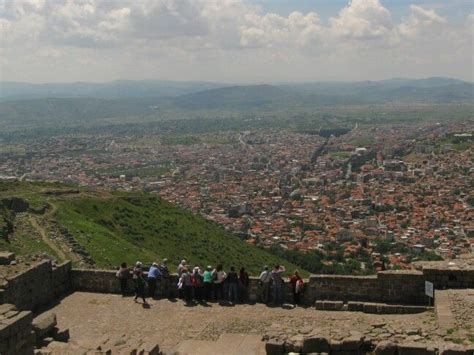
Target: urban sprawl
x,y
396,193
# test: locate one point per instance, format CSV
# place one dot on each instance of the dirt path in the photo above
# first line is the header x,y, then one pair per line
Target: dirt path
x,y
44,237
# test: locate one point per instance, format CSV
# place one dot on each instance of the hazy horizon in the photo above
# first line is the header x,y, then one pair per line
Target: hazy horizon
x,y
235,83
237,42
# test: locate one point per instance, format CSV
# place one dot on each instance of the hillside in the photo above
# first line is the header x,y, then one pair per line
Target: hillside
x,y
102,229
110,90
79,104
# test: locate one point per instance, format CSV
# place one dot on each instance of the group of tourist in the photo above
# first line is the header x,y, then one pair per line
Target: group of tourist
x,y
207,284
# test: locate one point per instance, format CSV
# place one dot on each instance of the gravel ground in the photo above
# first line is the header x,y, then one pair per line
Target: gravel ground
x,y
167,323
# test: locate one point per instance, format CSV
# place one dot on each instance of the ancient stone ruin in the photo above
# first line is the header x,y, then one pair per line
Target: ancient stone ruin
x,y
28,325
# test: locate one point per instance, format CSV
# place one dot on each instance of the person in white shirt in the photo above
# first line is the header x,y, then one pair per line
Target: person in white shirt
x,y
265,278
218,277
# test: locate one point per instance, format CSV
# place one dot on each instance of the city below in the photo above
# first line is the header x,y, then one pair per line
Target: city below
x,y
373,197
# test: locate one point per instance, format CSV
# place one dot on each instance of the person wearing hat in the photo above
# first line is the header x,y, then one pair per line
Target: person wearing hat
x,y
153,275
207,278
165,278
139,282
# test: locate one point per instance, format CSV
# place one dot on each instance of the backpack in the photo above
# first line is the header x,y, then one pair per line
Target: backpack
x,y
196,280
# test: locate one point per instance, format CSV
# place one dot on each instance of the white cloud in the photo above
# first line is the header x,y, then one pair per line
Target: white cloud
x,y
421,20
363,20
272,30
201,39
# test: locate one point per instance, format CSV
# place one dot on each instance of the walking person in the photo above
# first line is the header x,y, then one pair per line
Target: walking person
x,y
152,279
244,282
296,287
165,278
232,281
277,279
139,282
264,281
218,277
207,279
123,274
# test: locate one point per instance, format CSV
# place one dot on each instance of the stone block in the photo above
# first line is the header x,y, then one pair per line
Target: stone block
x,y
319,305
149,349
336,345
275,347
43,324
455,349
415,349
61,335
316,344
6,257
355,306
385,348
294,344
5,308
370,308
354,342
333,305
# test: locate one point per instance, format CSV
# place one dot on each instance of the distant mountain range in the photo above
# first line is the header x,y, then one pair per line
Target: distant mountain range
x,y
111,90
436,88
34,103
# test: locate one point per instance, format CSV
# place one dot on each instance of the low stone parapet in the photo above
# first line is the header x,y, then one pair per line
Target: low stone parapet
x,y
16,333
37,286
356,344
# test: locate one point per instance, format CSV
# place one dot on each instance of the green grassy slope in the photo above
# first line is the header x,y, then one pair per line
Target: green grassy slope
x,y
115,227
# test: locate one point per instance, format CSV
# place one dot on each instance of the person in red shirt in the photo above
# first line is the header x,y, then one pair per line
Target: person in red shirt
x,y
296,286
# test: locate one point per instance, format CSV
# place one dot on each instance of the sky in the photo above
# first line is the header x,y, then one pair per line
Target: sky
x,y
248,41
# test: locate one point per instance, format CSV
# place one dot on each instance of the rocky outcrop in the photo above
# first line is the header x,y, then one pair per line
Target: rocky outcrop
x,y
15,204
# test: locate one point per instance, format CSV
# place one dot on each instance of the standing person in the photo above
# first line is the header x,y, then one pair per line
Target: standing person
x,y
297,287
207,278
165,278
198,283
278,283
265,278
244,282
218,277
181,266
153,275
123,275
139,282
232,281
187,284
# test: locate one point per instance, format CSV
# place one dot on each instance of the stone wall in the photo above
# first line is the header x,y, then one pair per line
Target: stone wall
x,y
393,287
343,288
388,287
450,278
16,332
404,287
37,286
